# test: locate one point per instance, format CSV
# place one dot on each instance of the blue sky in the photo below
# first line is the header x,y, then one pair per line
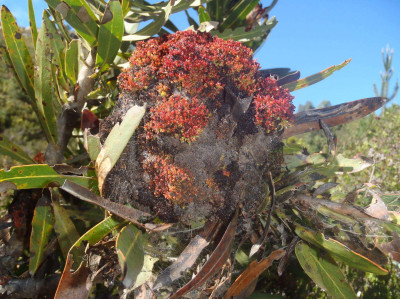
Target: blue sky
x,y
312,35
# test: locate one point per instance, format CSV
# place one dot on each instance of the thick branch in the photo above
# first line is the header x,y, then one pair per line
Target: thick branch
x,y
71,112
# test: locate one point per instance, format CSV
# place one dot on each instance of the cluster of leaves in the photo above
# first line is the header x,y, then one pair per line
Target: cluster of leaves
x,y
51,227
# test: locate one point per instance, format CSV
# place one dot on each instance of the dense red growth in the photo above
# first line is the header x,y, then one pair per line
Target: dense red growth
x,y
168,180
178,116
273,105
191,80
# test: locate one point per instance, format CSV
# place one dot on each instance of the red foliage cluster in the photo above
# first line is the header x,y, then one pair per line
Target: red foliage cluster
x,y
182,78
169,180
178,116
273,105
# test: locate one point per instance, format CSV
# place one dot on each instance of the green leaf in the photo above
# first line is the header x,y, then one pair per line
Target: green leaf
x,y
340,251
152,28
110,33
293,148
216,9
203,15
18,53
32,22
238,13
99,231
37,176
92,236
94,147
10,149
352,165
240,33
42,226
191,21
301,83
116,142
126,6
65,229
130,249
44,87
79,15
72,60
183,5
323,270
57,46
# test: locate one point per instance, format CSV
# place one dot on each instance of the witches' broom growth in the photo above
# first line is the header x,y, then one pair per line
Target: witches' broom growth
x,y
181,143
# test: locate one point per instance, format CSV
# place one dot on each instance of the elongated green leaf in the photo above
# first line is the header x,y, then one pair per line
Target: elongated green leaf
x,y
110,33
116,142
44,87
42,226
191,21
352,165
307,81
323,270
153,27
217,8
130,248
32,22
37,176
126,6
340,251
203,15
10,149
18,52
92,236
72,60
240,33
239,13
99,231
65,229
57,46
79,15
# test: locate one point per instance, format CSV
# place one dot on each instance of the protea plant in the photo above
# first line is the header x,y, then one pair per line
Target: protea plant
x,y
199,185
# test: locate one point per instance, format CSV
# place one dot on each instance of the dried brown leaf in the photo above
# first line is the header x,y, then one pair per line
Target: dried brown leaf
x,y
214,263
75,285
252,272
